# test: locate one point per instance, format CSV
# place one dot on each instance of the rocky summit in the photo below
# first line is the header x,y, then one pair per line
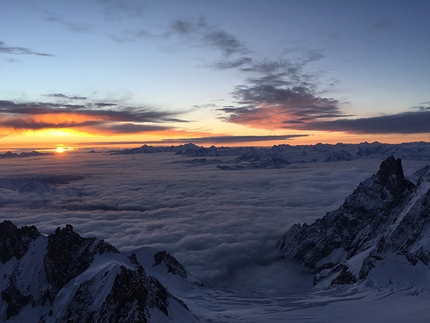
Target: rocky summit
x,y
385,222
64,277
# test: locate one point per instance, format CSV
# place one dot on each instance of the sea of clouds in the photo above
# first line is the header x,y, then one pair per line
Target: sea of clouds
x,y
221,225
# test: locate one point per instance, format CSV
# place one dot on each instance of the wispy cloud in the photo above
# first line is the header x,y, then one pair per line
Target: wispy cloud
x,y
229,139
195,32
380,25
129,36
11,50
207,35
63,96
67,24
12,60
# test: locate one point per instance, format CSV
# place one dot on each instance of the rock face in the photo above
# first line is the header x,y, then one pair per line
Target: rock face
x,y
386,214
14,242
67,278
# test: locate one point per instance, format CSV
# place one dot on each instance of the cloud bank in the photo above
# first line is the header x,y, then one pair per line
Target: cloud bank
x,y
223,226
91,117
401,123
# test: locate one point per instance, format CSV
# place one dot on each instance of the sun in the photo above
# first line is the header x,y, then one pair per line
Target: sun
x,y
60,150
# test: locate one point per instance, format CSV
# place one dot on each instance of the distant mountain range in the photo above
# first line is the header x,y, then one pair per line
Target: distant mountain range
x,y
33,153
282,155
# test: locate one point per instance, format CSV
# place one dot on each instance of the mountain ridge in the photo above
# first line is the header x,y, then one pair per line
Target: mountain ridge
x,y
385,214
64,277
279,156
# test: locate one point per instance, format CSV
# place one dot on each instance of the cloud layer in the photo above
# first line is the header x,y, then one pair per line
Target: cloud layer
x,y
90,117
400,123
221,225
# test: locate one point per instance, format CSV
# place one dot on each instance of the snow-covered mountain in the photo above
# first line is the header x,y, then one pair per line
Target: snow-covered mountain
x,y
380,234
279,156
64,277
33,153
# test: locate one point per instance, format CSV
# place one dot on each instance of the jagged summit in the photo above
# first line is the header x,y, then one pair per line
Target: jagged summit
x,y
67,278
390,167
385,214
14,242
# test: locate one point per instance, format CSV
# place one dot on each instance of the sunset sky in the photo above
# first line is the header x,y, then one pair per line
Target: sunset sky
x,y
84,73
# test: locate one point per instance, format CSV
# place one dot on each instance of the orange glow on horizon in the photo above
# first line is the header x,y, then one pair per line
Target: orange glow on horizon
x,y
45,139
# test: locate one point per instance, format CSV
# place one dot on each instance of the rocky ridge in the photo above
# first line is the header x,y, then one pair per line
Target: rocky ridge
x,y
33,153
386,217
279,156
67,278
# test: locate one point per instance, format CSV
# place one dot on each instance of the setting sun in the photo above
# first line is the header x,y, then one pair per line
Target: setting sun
x,y
60,150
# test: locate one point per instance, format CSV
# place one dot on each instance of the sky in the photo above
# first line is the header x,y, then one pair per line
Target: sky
x,y
107,72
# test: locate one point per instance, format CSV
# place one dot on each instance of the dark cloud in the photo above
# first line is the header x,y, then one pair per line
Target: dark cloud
x,y
268,67
229,139
202,140
381,25
286,66
224,41
129,36
195,31
283,96
401,123
205,106
422,108
264,67
122,10
184,27
26,124
104,104
128,128
35,108
12,60
19,50
63,96
69,25
98,116
230,64
279,92
268,106
119,113
208,35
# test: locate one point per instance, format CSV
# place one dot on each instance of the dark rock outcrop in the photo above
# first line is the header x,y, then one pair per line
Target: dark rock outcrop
x,y
14,241
67,278
385,213
69,255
